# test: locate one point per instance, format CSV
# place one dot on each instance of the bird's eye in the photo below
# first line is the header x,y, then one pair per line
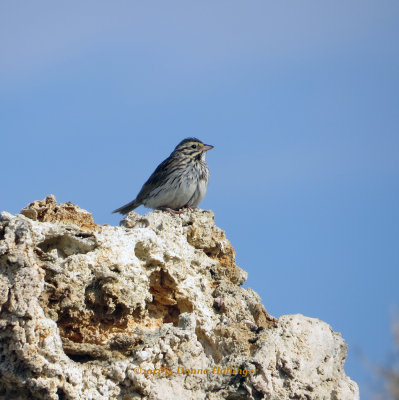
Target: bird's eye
x,y
194,146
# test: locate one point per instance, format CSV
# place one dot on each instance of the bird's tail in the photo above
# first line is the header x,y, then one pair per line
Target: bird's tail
x,y
127,207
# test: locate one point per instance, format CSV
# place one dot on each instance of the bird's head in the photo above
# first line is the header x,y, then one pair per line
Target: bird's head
x,y
192,147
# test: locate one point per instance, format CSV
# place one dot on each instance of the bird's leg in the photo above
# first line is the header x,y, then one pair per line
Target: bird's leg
x,y
191,208
176,212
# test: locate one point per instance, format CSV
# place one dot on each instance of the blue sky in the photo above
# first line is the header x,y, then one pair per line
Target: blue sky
x,y
299,98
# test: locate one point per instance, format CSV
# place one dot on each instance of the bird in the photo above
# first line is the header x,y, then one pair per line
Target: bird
x,y
178,183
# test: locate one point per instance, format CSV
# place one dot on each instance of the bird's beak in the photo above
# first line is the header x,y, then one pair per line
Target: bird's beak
x,y
206,147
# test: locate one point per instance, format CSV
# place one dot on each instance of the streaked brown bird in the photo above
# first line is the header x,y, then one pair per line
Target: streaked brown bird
x,y
178,182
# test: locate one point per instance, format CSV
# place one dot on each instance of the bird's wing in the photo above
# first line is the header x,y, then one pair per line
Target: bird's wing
x,y
157,178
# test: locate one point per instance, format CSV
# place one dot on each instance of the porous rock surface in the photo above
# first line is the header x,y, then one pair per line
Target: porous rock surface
x,y
153,309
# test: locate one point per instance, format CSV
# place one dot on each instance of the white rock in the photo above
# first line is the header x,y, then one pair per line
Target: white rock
x,y
85,309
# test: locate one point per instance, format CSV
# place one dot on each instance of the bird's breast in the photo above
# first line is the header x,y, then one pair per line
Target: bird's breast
x,y
187,187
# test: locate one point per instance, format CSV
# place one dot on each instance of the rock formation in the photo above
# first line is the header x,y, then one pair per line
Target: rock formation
x,y
153,309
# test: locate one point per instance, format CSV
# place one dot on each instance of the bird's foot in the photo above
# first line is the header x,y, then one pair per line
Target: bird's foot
x,y
177,212
191,208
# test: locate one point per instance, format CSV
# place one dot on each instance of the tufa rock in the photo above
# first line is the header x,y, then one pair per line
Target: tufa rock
x,y
48,210
149,310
